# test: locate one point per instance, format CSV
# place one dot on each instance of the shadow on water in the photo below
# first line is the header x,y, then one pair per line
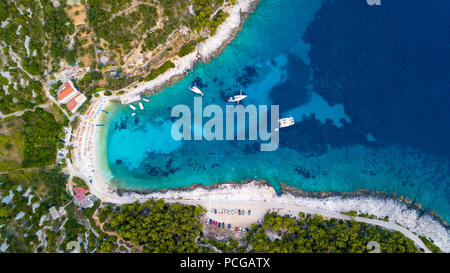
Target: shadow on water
x,y
294,90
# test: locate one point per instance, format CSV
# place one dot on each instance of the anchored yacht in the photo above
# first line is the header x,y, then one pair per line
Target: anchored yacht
x,y
237,98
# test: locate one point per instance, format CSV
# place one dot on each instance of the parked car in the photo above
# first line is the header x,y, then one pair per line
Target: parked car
x,y
249,211
229,226
246,229
243,212
215,211
236,229
218,225
239,211
223,225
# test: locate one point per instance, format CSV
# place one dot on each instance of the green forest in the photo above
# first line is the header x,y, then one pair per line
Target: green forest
x,y
33,28
162,227
156,226
313,234
158,71
41,135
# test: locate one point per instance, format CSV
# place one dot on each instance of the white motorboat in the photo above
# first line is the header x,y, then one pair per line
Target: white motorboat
x,y
196,90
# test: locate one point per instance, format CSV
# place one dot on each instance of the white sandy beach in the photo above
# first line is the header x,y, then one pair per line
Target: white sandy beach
x,y
86,134
257,196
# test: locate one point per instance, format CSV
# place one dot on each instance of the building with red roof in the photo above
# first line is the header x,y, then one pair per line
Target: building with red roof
x,y
79,189
80,198
73,104
70,96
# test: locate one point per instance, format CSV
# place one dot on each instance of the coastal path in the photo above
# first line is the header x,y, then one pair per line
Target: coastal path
x,y
259,209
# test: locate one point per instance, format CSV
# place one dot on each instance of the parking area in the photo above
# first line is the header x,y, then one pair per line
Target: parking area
x,y
229,219
226,219
226,212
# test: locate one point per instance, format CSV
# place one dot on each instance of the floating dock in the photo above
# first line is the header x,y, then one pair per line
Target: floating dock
x,y
128,100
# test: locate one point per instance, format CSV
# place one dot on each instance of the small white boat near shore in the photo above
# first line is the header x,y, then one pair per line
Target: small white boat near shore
x,y
132,107
141,106
146,100
196,90
133,114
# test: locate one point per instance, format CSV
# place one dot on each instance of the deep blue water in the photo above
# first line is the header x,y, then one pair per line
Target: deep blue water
x,y
368,87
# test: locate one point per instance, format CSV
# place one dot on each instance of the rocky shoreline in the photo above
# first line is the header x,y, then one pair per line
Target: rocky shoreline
x,y
409,203
379,204
205,51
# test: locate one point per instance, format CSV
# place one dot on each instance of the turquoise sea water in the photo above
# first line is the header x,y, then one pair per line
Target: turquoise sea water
x,y
327,150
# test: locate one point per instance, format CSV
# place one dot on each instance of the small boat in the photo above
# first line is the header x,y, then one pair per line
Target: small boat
x,y
146,100
132,107
237,98
133,114
141,106
285,122
195,89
